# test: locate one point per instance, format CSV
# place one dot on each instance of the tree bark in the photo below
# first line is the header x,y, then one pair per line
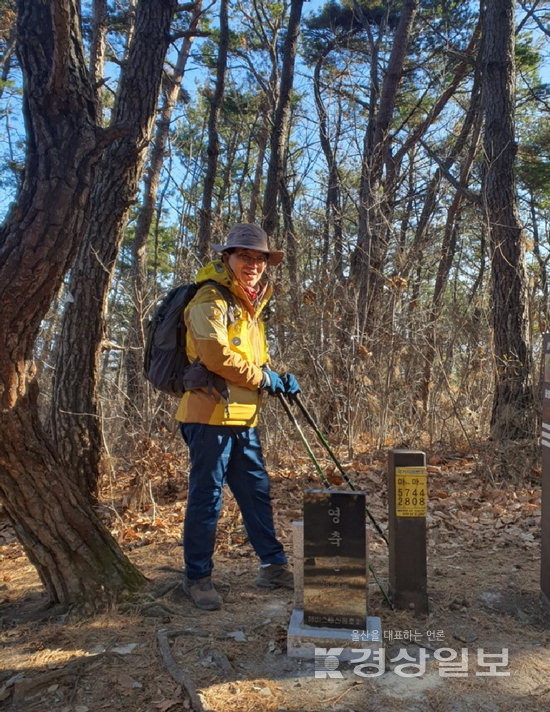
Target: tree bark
x,y
97,47
213,149
513,400
281,121
75,416
76,558
135,384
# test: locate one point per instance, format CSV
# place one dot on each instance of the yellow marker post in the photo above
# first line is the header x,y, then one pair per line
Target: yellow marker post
x,y
408,505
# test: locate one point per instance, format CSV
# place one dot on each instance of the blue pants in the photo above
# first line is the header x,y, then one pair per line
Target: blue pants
x,y
222,454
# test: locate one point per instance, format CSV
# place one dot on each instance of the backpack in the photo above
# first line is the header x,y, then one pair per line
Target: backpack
x,y
165,360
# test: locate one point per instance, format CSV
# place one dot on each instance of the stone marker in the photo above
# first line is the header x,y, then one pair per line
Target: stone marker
x,y
407,505
335,559
545,443
330,578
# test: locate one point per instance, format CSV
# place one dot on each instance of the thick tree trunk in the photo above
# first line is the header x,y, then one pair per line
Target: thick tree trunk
x,y
213,149
75,556
280,129
513,403
76,418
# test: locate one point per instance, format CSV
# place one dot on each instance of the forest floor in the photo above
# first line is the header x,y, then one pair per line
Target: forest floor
x,y
484,594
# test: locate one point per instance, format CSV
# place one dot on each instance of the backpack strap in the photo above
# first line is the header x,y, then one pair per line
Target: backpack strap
x,y
197,375
227,295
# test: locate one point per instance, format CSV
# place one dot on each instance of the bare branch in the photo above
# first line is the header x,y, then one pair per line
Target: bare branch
x,y
189,33
473,197
529,13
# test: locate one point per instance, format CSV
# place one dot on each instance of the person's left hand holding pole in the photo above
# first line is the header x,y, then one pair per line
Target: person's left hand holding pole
x,y
292,387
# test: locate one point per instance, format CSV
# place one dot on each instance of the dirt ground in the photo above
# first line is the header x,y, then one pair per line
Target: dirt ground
x,y
161,654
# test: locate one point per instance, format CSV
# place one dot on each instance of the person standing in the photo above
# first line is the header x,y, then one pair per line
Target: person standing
x,y
227,349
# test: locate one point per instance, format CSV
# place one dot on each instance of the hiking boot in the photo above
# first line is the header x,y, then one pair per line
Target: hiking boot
x,y
202,593
275,576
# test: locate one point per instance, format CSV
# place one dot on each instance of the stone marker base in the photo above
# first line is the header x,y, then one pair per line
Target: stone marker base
x,y
302,639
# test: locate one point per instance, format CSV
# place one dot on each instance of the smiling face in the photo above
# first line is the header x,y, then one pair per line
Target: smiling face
x,y
247,265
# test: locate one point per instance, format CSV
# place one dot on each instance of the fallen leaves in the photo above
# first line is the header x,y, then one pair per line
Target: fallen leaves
x,y
478,516
466,518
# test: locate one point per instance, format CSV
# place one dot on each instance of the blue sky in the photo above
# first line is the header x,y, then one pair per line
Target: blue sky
x,y
12,133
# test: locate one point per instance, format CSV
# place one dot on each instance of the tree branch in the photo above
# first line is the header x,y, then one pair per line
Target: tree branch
x,y
189,33
529,13
473,197
176,672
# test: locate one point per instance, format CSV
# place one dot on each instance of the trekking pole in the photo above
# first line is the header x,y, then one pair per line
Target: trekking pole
x,y
296,397
384,593
325,481
303,439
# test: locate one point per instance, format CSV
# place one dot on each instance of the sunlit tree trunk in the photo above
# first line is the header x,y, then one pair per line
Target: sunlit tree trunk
x,y
512,414
280,129
97,47
76,558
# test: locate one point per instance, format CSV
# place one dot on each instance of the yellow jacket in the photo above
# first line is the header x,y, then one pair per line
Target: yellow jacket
x,y
232,346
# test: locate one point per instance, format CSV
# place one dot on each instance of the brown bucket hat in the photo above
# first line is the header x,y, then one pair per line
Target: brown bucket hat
x,y
250,237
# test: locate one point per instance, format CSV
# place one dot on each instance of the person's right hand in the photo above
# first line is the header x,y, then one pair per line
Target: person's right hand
x,y
272,382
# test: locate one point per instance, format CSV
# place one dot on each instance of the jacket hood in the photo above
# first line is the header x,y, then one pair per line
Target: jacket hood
x,y
217,271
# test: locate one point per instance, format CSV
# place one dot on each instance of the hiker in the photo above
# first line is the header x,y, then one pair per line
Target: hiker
x,y
227,350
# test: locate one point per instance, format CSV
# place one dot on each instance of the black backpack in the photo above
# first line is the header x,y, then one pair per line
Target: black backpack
x,y
165,360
